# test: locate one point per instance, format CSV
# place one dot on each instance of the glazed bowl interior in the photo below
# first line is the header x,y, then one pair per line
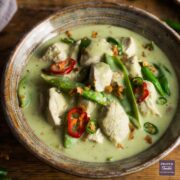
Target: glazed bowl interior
x,y
90,13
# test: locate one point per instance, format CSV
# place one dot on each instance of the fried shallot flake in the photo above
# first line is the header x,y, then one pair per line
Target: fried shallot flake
x,y
76,69
115,50
148,139
68,33
124,57
94,34
145,63
150,66
131,133
83,107
108,89
119,90
77,90
119,146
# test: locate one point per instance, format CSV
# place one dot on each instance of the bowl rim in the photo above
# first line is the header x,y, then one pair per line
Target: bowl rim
x,y
12,124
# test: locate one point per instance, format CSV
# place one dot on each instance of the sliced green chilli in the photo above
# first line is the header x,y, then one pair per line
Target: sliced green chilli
x,y
91,127
150,128
137,81
161,101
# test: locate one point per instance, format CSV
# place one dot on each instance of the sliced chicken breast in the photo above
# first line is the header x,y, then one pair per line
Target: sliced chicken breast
x,y
100,76
95,52
133,67
117,78
74,49
150,102
57,52
97,137
89,106
114,123
57,106
129,46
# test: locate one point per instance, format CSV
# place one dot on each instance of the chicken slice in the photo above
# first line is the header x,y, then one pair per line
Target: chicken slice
x,y
114,123
97,137
150,102
74,49
117,78
133,67
129,46
89,106
100,76
57,106
95,51
57,52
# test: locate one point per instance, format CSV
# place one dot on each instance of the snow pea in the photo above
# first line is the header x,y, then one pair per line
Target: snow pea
x,y
109,60
69,141
67,85
23,95
117,43
163,79
116,61
148,75
85,42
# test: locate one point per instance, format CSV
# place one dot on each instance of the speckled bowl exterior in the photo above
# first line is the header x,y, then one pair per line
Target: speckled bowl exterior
x,y
128,17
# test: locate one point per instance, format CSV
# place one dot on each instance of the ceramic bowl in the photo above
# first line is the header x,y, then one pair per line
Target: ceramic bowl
x,y
128,17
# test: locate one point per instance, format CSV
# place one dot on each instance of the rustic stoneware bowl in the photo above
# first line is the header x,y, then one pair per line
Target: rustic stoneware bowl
x,y
90,13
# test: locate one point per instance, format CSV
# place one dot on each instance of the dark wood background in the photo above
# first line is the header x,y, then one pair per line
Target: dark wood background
x,y
21,164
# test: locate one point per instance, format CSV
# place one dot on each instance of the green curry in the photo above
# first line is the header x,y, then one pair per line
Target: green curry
x,y
98,93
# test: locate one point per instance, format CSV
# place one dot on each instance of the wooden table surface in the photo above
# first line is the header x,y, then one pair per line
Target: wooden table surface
x,y
21,164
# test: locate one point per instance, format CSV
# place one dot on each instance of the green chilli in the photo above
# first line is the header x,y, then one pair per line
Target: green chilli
x,y
161,101
91,127
137,81
150,128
